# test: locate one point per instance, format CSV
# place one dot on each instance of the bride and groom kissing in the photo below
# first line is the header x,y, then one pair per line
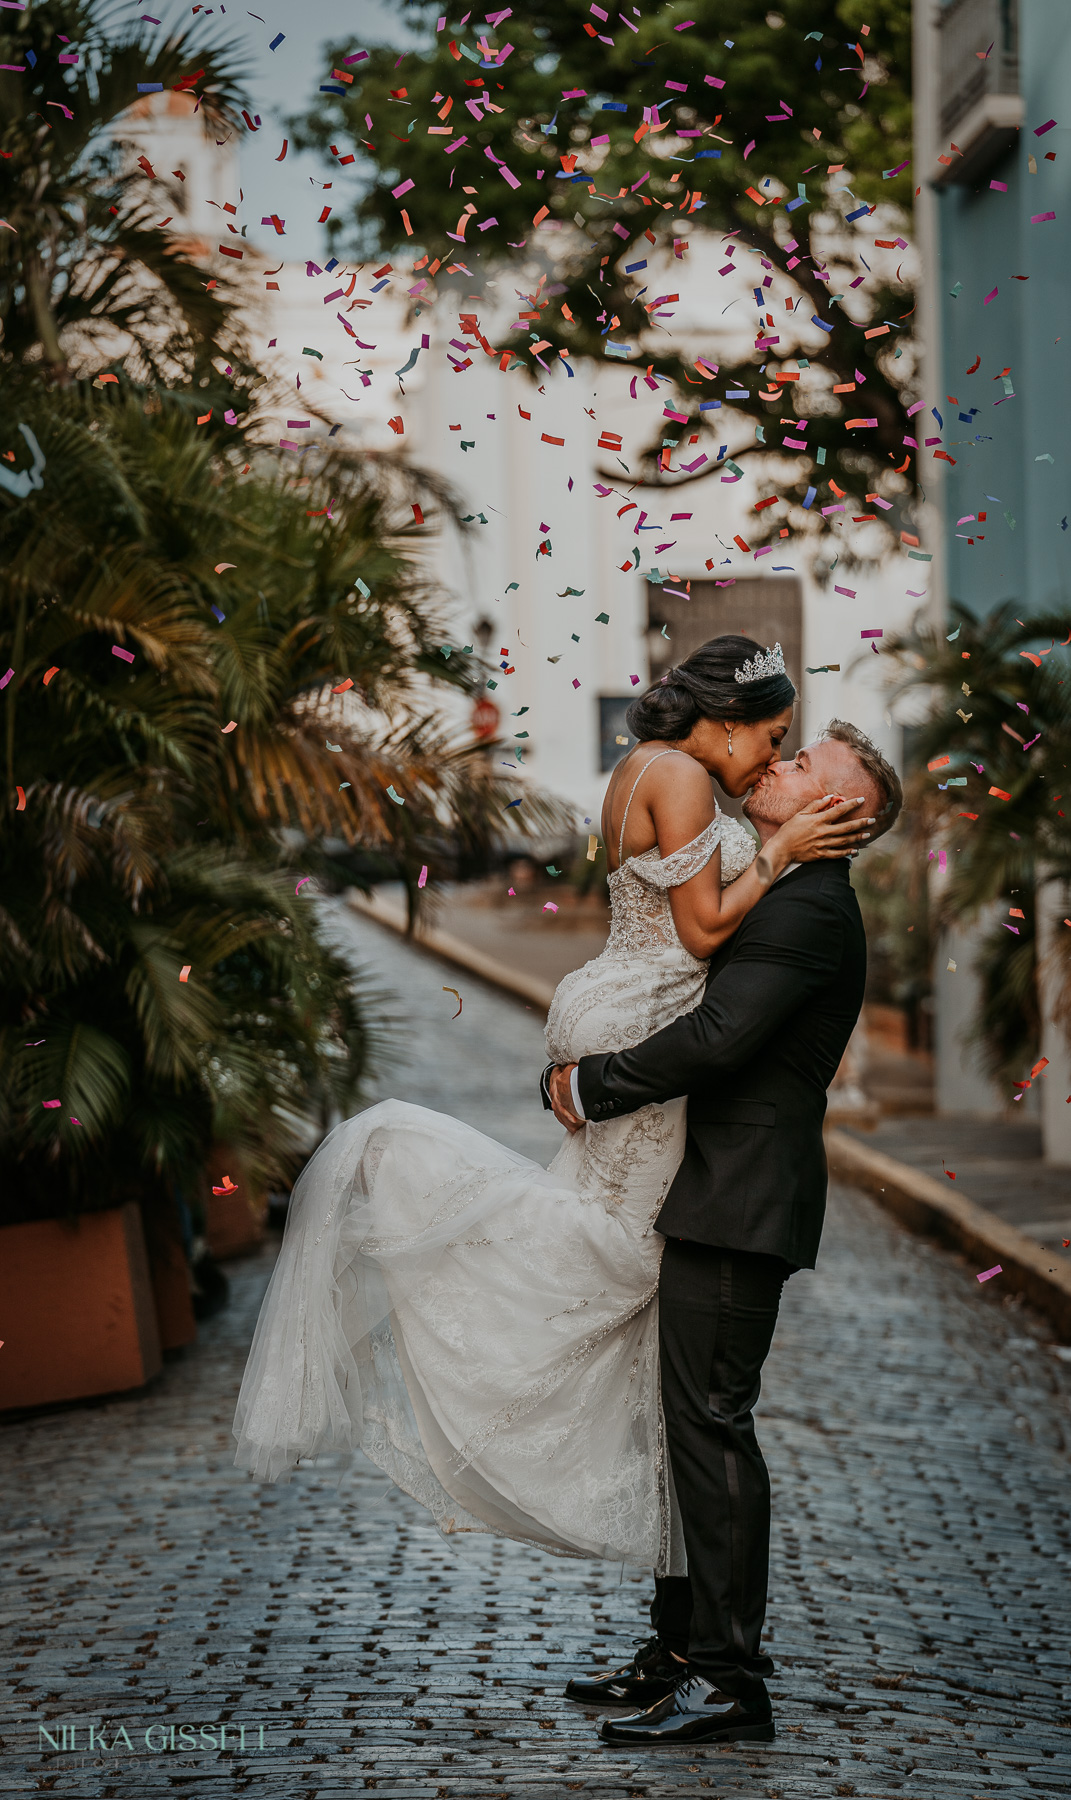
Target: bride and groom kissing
x,y
571,1356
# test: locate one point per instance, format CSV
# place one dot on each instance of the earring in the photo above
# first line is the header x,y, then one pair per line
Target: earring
x,y
730,740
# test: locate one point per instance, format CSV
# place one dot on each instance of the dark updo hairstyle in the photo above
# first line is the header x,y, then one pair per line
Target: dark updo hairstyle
x,y
704,686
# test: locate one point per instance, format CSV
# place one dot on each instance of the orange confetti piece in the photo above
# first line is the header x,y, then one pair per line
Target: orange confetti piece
x,y
233,726
50,672
184,972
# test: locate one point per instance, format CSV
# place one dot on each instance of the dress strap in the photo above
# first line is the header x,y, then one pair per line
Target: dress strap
x,y
635,785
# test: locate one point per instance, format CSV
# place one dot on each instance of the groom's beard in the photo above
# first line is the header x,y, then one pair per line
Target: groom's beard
x,y
768,804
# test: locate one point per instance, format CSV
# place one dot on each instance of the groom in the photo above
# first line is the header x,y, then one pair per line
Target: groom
x,y
743,1212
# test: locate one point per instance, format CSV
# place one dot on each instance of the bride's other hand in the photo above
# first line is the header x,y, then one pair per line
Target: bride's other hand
x,y
822,829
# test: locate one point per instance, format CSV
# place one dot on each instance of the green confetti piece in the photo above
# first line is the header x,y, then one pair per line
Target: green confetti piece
x,y
397,798
332,746
602,618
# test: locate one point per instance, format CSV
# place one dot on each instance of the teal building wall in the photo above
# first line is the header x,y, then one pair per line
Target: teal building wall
x,y
986,240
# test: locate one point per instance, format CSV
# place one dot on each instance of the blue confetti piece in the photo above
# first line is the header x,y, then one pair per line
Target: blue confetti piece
x,y
809,501
276,41
150,87
861,212
822,326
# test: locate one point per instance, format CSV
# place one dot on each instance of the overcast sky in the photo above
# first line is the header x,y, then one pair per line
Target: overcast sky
x,y
282,82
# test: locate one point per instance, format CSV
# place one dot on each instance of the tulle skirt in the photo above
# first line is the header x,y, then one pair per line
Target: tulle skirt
x,y
483,1328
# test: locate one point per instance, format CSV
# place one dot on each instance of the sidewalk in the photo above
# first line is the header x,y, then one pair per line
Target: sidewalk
x,y
996,1161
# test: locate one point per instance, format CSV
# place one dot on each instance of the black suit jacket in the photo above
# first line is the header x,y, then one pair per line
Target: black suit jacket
x,y
755,1059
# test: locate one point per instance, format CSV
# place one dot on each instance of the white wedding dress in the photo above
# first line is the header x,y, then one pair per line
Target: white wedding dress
x,y
485,1329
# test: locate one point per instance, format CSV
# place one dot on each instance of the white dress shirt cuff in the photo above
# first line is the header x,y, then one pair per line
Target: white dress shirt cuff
x,y
574,1089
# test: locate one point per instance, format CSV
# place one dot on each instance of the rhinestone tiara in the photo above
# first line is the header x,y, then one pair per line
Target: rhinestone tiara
x,y
760,668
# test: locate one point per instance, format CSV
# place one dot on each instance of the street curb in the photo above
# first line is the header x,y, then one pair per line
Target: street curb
x,y
924,1206
917,1200
452,949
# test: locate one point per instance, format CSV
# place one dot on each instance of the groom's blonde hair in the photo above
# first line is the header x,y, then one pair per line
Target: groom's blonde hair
x,y
877,766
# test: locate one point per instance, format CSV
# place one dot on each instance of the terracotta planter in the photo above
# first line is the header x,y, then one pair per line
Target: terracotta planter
x,y
169,1273
76,1308
234,1222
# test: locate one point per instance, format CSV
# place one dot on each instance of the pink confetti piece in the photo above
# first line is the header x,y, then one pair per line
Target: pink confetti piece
x,y
549,906
1040,218
301,883
233,726
1040,130
47,1104
988,1274
423,881
127,655
990,297
184,972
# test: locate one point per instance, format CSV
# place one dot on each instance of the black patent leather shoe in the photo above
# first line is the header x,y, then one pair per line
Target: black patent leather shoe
x,y
651,1675
694,1713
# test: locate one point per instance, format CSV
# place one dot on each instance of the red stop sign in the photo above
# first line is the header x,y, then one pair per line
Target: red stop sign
x,y
485,719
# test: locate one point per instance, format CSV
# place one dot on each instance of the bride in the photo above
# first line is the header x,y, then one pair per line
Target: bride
x,y
485,1329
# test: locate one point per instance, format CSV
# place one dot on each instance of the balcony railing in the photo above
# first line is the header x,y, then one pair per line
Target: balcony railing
x,y
979,80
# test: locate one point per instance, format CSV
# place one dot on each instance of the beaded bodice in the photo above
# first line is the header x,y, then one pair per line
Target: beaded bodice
x,y
641,917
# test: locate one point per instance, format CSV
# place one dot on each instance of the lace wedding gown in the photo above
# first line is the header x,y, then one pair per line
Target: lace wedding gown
x,y
483,1328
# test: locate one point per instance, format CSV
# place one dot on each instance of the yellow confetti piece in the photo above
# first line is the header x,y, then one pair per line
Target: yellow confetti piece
x,y
593,847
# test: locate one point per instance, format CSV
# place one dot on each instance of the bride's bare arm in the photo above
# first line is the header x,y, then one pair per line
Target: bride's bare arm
x,y
680,805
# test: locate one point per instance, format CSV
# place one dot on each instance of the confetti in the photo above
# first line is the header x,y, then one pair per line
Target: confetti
x,y
457,997
988,1274
184,972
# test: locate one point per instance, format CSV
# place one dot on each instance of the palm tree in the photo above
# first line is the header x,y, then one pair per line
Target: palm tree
x,y
166,762
999,723
87,278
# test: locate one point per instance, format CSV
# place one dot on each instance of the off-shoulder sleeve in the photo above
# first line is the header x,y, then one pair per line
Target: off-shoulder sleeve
x,y
674,870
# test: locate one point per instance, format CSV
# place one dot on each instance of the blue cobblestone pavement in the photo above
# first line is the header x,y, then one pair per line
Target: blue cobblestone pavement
x,y
917,1429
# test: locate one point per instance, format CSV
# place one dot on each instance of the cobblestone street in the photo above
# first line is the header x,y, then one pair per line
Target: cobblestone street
x,y
918,1435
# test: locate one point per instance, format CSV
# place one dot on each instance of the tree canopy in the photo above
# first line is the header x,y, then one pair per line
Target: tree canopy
x,y
780,130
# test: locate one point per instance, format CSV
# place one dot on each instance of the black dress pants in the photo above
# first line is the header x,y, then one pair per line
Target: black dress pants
x,y
717,1312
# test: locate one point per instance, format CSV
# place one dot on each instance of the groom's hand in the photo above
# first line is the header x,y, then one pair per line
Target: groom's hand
x,y
561,1098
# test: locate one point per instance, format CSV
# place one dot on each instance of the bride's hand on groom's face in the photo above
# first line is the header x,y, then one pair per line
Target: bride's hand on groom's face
x,y
561,1098
827,827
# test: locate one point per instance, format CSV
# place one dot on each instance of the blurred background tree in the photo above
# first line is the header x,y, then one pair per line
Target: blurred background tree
x,y
575,115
